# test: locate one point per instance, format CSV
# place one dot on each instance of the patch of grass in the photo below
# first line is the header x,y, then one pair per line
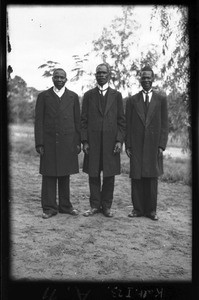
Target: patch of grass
x,y
21,139
21,128
177,170
22,144
174,141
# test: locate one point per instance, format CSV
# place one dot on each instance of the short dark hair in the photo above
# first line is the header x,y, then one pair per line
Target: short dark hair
x,y
59,69
147,68
104,64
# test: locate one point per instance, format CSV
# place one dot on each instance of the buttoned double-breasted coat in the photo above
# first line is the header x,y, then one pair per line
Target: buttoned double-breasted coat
x,y
102,131
145,134
57,128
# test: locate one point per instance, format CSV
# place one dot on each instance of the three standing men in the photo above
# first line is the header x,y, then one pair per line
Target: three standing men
x,y
57,140
146,139
103,132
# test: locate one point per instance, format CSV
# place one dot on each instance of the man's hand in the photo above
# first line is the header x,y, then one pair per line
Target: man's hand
x,y
86,148
128,152
78,149
118,148
40,150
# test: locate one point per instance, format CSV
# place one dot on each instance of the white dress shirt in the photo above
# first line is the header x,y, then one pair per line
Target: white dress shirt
x,y
103,89
59,92
150,92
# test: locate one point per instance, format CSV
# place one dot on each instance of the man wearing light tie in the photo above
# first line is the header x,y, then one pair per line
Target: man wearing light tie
x,y
146,139
57,140
102,135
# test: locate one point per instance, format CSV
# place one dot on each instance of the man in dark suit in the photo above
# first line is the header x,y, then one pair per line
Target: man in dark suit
x,y
146,139
57,140
102,135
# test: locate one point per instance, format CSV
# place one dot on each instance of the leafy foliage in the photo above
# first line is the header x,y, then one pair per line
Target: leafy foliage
x,y
49,68
115,45
79,69
21,101
175,69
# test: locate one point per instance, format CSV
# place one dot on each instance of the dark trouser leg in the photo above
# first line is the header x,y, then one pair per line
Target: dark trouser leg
x,y
107,192
137,195
64,193
48,194
95,194
150,194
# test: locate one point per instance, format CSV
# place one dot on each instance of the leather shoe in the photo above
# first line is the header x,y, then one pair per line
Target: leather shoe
x,y
91,212
153,217
48,215
72,212
134,214
107,213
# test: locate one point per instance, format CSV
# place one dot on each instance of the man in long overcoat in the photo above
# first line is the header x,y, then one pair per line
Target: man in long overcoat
x,y
57,140
102,135
146,139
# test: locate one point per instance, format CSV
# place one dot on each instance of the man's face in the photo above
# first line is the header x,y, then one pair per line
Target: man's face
x,y
146,80
102,75
59,79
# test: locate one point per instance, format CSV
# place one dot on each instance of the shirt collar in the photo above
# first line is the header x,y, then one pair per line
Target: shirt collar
x,y
145,92
105,87
57,91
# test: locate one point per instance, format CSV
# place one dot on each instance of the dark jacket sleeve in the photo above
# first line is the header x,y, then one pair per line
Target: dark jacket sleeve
x,y
121,122
77,120
164,124
84,118
128,124
39,120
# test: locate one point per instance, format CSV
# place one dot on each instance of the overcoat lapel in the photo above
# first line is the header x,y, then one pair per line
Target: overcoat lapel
x,y
110,99
97,100
53,99
65,100
140,107
151,109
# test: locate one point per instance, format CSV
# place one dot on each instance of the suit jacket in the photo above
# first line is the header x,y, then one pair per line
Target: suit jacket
x,y
102,131
145,134
57,128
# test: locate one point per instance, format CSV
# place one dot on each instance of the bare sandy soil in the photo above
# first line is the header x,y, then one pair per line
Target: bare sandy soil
x,y
97,248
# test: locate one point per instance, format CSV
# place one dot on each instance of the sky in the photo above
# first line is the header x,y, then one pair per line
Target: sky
x,y
41,33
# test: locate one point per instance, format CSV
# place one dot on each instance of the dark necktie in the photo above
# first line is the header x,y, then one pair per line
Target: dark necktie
x,y
147,100
101,91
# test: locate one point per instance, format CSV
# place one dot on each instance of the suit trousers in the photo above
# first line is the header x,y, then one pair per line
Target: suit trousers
x,y
101,195
49,191
144,195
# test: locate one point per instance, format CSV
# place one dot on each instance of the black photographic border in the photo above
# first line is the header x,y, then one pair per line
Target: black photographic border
x,y
45,290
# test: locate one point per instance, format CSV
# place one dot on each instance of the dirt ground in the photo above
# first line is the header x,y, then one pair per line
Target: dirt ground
x,y
97,248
